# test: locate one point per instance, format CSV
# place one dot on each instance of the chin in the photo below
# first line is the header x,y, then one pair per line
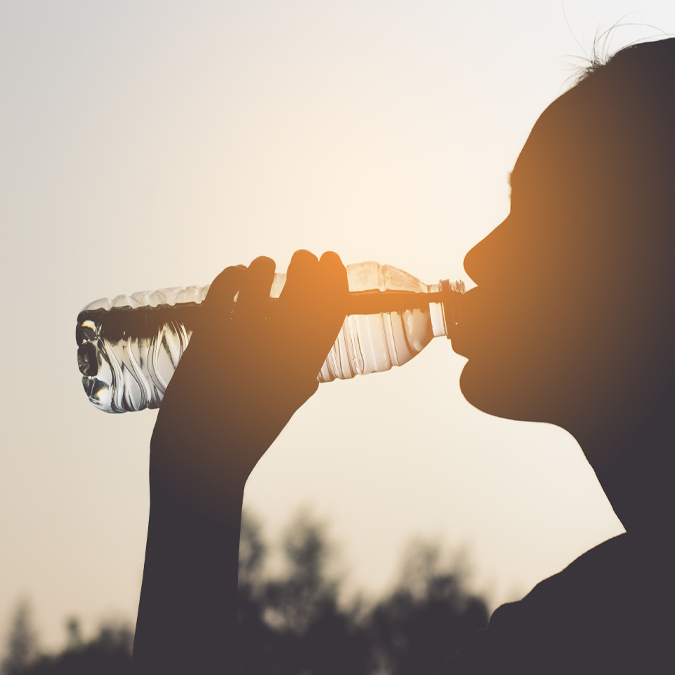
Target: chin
x,y
506,391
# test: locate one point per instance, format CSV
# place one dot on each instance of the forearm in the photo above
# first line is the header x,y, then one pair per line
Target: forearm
x,y
187,618
244,374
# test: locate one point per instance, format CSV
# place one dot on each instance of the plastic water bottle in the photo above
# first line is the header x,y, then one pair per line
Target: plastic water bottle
x,y
129,347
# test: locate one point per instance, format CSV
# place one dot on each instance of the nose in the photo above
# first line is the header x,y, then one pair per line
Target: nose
x,y
482,262
472,261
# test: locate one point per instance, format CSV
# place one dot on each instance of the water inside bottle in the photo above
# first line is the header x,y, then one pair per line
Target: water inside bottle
x,y
120,323
370,343
127,355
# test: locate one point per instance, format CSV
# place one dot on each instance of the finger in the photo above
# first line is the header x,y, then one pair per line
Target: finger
x,y
334,277
330,308
313,304
300,291
294,312
301,277
253,300
213,319
334,288
220,297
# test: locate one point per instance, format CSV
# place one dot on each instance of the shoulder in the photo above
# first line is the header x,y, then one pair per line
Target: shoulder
x,y
608,611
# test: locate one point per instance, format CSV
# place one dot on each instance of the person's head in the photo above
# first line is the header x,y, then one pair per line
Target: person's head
x,y
571,321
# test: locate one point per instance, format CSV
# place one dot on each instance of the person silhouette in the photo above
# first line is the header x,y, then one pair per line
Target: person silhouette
x,y
570,324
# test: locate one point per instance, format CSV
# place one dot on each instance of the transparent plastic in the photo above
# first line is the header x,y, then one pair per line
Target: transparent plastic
x,y
129,347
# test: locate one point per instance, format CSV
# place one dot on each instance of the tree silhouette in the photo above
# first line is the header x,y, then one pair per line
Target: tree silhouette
x,y
108,653
427,617
297,623
22,645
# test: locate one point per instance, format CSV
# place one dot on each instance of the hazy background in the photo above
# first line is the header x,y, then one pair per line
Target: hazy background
x,y
145,145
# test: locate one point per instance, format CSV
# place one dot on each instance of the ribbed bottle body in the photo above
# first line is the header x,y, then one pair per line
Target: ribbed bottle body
x,y
373,343
129,347
127,354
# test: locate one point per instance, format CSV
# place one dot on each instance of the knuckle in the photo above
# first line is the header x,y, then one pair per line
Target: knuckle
x,y
263,263
228,276
331,257
303,256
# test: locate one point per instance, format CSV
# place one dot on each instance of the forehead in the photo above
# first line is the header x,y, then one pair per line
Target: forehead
x,y
583,193
551,158
562,199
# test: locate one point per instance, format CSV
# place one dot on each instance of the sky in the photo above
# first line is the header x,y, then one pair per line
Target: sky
x,y
147,145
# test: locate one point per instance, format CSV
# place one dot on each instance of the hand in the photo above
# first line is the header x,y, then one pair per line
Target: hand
x,y
249,366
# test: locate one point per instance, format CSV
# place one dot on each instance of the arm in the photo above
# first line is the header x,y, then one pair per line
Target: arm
x,y
237,385
187,617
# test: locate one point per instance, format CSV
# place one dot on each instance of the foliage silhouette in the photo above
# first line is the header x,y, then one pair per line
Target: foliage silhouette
x,y
109,653
22,645
427,617
297,623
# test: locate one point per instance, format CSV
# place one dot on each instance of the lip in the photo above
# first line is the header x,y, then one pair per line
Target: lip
x,y
460,336
458,341
480,324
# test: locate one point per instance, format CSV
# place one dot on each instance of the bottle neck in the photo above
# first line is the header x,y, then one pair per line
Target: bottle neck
x,y
445,313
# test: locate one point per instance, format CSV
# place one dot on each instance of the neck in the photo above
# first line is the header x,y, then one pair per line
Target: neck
x,y
635,464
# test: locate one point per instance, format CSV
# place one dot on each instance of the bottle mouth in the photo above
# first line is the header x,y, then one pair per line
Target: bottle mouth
x,y
452,293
